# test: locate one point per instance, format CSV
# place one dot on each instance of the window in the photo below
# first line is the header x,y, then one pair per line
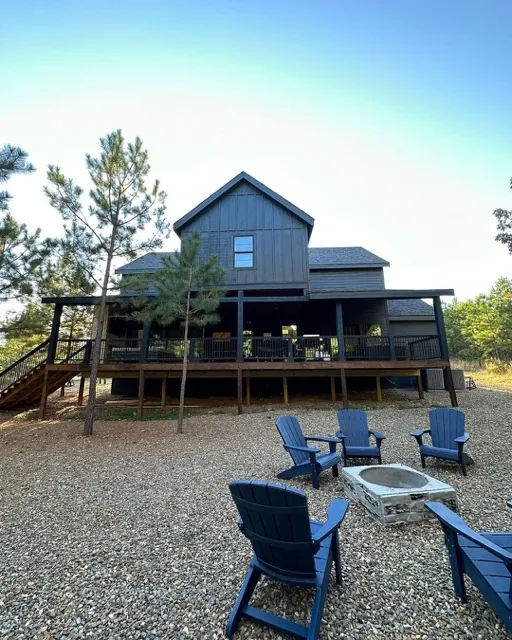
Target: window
x,y
244,254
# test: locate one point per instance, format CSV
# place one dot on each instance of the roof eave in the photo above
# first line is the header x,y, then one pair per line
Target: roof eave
x,y
352,265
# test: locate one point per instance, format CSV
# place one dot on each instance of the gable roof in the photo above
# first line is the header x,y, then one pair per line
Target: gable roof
x,y
145,264
343,257
397,308
243,176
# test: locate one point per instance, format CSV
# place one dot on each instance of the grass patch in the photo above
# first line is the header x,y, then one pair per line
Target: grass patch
x,y
492,380
113,414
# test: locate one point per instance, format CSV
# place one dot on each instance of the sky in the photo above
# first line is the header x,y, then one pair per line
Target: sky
x,y
388,122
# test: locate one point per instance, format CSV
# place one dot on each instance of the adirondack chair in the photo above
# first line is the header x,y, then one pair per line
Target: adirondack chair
x,y
288,548
448,437
355,436
306,460
485,557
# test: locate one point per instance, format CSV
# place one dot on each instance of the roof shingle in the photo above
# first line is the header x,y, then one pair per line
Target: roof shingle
x,y
412,307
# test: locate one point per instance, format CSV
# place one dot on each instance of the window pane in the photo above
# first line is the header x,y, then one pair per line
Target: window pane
x,y
243,260
243,243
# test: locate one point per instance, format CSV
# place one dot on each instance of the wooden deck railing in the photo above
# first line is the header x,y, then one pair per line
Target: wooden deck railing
x,y
256,349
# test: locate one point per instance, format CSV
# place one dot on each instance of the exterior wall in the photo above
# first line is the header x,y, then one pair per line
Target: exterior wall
x,y
280,239
346,279
366,312
412,328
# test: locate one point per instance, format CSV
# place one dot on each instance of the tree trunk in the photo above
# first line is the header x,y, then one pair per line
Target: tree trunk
x,y
179,428
96,353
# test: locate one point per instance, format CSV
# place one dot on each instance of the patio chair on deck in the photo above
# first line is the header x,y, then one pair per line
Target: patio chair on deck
x,y
306,460
288,548
448,437
355,436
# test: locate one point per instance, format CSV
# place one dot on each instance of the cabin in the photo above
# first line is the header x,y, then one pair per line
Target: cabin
x,y
294,316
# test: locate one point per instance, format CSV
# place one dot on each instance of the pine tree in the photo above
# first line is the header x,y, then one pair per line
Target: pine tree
x,y
123,219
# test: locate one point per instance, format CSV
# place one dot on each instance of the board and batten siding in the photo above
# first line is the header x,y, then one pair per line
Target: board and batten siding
x,y
346,279
412,328
366,312
280,239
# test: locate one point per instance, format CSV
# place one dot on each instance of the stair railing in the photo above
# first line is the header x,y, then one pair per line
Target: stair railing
x,y
25,365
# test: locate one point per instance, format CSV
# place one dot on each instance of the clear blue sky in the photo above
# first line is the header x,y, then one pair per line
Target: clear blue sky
x,y
388,122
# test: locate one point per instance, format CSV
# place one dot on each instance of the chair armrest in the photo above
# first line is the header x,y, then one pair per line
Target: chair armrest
x,y
340,435
305,449
378,436
335,513
324,439
419,432
455,523
462,439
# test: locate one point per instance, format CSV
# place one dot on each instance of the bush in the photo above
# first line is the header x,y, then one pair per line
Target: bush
x,y
497,366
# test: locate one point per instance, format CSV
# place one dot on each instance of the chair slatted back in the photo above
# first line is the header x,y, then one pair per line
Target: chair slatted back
x,y
354,424
445,426
291,433
276,520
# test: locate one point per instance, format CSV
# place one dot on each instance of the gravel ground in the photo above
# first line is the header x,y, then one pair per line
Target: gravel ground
x,y
132,533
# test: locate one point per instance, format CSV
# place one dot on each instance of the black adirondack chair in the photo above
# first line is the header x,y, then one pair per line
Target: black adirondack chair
x,y
355,435
288,548
485,557
448,437
306,460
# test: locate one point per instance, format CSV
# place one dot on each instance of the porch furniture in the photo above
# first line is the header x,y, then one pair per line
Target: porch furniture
x,y
306,460
288,548
485,557
355,436
448,437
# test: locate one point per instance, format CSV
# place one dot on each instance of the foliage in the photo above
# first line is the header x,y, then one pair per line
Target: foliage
x,y
504,224
188,291
13,160
123,218
481,328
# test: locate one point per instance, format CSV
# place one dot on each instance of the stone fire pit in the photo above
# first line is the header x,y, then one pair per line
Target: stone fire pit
x,y
394,493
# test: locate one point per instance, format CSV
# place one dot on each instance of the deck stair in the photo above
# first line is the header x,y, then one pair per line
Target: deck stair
x,y
21,383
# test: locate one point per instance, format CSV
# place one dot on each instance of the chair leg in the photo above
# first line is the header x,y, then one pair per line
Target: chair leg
x,y
316,614
250,582
423,461
379,459
336,556
454,552
335,471
314,477
463,465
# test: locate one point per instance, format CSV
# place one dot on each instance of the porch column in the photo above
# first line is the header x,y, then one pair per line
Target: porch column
x,y
54,335
144,347
441,329
240,328
339,330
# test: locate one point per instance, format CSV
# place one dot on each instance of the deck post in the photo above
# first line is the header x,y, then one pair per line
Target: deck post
x,y
81,391
239,390
419,384
333,389
448,383
248,390
144,347
240,328
379,389
339,330
285,390
63,390
344,393
163,399
140,399
44,395
441,329
54,334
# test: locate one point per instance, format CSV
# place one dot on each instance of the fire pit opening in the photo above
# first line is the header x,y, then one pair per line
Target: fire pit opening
x,y
395,478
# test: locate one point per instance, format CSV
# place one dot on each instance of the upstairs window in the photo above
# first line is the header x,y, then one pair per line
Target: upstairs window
x,y
244,252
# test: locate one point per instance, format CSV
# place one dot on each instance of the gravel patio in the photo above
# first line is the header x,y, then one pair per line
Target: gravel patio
x,y
132,533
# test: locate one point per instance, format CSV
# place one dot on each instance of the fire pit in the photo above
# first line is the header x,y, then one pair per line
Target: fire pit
x,y
394,493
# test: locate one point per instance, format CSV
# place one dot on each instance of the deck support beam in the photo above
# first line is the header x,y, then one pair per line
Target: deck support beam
x,y
450,387
333,389
419,385
441,329
344,393
140,399
239,397
81,391
163,399
285,390
379,389
44,395
248,390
